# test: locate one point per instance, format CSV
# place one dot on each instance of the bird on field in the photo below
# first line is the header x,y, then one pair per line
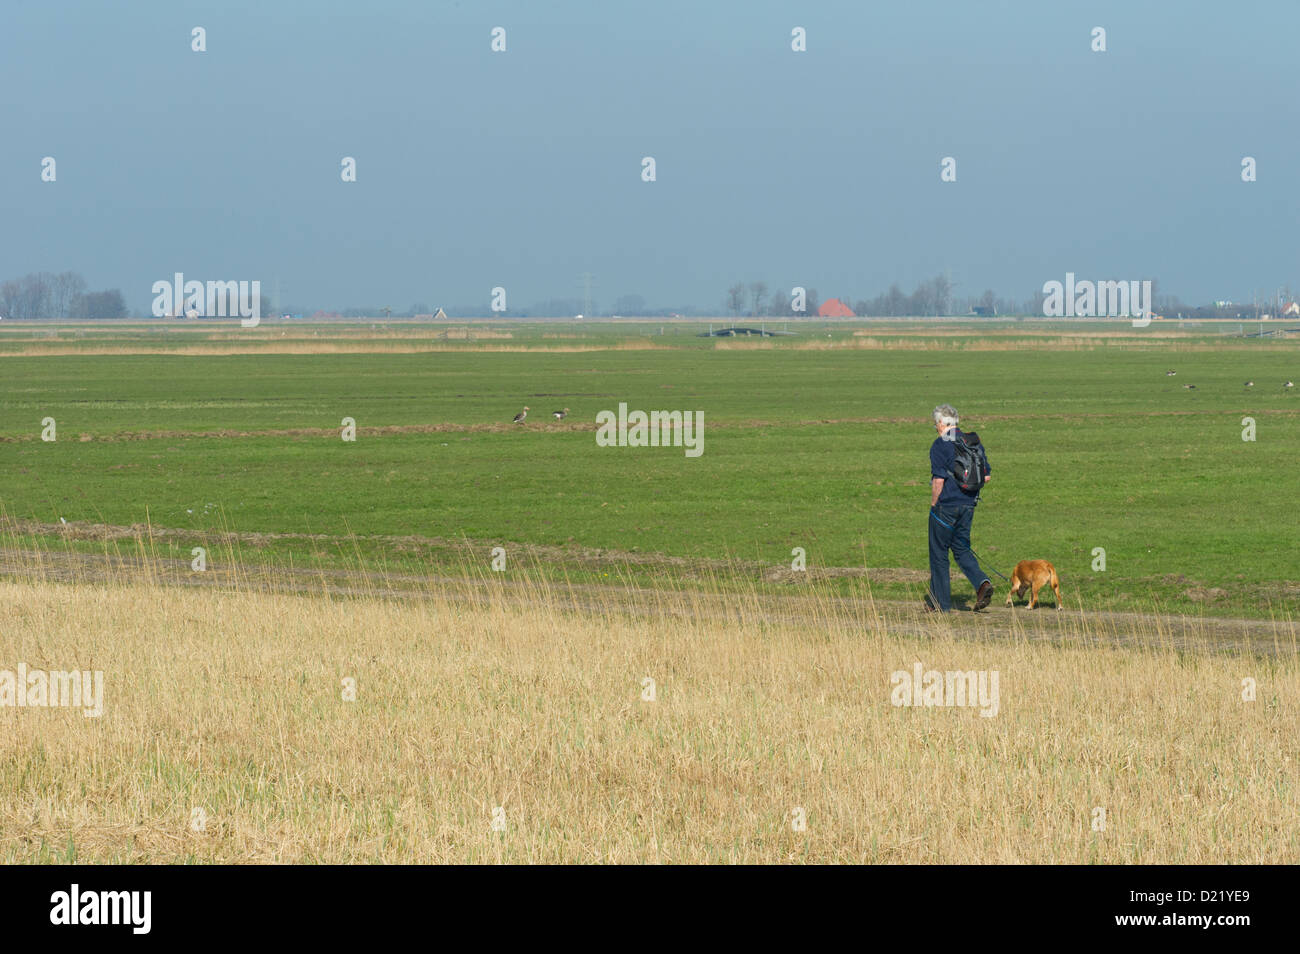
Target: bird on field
x,y
1190,387
519,418
560,415
1170,374
1289,384
1250,384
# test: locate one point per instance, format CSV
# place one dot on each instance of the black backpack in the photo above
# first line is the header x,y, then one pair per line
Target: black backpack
x,y
969,466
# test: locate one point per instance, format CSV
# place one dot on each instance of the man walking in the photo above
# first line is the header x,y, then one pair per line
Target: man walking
x,y
951,511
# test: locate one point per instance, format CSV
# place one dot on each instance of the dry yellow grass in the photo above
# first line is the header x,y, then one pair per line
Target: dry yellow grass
x,y
909,341
231,701
33,339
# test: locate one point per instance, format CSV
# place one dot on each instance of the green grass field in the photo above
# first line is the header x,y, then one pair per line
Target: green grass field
x,y
811,441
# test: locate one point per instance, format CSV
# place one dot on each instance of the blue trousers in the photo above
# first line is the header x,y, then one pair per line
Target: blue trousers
x,y
950,530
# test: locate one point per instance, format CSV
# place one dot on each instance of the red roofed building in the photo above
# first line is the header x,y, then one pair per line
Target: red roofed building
x,y
834,308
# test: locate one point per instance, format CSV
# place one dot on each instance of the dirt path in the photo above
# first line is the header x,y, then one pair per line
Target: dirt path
x,y
1068,627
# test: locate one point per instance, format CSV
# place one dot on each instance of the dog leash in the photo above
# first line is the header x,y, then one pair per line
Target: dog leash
x,y
972,549
981,559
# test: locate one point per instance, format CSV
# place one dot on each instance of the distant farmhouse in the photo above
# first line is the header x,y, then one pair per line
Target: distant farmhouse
x,y
834,308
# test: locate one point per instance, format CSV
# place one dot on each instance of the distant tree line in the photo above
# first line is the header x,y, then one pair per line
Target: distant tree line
x,y
756,300
935,297
1271,304
64,295
930,298
625,306
47,295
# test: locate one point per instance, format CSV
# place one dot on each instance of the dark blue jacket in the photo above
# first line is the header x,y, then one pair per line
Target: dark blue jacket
x,y
942,457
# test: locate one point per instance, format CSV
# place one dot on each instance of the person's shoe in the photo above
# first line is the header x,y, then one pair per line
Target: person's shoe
x,y
985,596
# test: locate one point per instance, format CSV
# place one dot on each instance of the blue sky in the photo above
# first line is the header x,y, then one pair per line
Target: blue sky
x,y
522,169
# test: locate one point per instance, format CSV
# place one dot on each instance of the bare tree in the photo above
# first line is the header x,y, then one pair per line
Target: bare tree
x,y
757,292
942,292
65,289
922,300
33,296
105,304
736,298
811,303
629,305
779,306
1034,306
9,297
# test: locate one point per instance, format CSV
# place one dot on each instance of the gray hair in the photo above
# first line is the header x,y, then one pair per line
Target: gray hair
x,y
946,415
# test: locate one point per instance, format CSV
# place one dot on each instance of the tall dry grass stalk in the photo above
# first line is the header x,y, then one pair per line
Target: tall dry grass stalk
x,y
515,693
871,341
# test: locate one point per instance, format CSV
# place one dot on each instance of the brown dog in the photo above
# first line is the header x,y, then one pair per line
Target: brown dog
x,y
1036,574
